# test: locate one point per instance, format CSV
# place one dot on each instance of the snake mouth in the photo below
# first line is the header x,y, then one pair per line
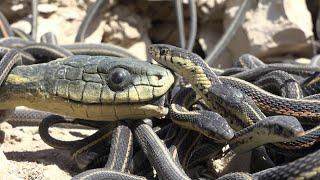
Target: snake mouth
x,y
299,134
161,101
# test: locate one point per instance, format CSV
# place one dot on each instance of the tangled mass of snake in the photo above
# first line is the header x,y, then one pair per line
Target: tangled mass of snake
x,y
167,120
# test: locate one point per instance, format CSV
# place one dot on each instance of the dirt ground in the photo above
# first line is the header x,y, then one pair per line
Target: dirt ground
x,y
30,158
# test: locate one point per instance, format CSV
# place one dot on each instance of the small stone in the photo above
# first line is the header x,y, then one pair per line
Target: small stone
x,y
130,31
23,24
139,49
107,29
5,126
305,61
36,137
17,7
54,171
47,8
114,25
5,167
3,159
28,129
15,138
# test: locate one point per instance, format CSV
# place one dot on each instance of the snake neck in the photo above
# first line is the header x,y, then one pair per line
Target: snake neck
x,y
23,85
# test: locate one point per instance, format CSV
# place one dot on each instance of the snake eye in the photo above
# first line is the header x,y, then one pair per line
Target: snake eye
x,y
118,79
163,51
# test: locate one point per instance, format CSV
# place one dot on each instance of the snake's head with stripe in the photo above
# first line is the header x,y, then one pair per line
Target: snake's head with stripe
x,y
236,105
185,63
90,87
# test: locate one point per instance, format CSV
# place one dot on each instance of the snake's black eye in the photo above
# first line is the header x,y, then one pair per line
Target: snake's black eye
x,y
119,79
163,51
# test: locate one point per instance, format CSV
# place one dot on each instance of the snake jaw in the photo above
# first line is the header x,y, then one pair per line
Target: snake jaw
x,y
215,126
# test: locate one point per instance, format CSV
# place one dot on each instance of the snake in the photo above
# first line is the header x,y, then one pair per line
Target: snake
x,y
311,85
102,49
208,123
14,42
307,167
147,138
90,87
180,23
46,52
90,151
105,83
157,153
273,104
226,100
192,67
281,83
51,82
21,34
207,84
5,29
49,38
273,129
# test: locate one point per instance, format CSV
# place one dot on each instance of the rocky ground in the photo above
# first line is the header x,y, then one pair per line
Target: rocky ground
x,y
28,157
273,31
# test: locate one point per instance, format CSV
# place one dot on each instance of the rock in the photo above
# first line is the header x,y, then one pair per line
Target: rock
x,y
24,25
16,136
29,130
36,137
139,49
5,126
62,18
75,14
3,159
14,10
210,9
51,171
47,8
5,166
304,61
271,28
130,32
127,29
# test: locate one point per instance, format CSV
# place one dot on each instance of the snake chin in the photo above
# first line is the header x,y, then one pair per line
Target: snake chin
x,y
215,126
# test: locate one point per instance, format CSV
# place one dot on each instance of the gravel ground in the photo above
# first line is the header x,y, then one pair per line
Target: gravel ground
x,y
30,158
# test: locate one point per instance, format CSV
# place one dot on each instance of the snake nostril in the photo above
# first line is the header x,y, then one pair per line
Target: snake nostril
x,y
159,77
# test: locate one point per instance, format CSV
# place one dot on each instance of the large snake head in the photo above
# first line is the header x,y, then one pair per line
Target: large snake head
x,y
214,126
91,87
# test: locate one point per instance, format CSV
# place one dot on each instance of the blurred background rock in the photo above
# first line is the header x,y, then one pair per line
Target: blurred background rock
x,y
272,30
